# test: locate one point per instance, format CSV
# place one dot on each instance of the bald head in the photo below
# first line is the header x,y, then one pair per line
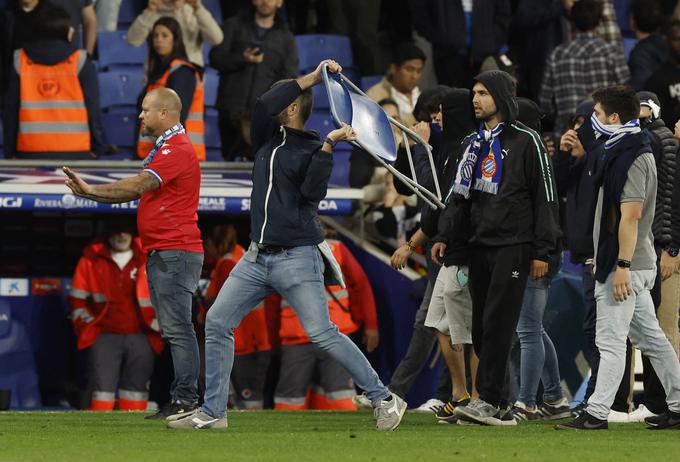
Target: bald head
x,y
161,109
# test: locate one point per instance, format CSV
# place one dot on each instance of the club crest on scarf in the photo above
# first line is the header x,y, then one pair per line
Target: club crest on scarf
x,y
483,158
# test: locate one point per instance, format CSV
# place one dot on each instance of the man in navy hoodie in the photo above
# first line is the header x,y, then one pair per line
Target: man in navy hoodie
x,y
287,253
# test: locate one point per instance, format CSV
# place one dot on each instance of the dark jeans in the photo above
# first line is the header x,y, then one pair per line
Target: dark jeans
x,y
173,279
592,354
498,279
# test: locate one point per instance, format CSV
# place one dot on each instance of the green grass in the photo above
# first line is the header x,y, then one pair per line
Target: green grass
x,y
315,436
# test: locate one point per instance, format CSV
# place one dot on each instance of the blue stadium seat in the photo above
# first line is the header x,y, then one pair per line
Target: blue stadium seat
x,y
628,45
212,129
320,97
340,173
215,8
321,121
213,155
120,87
314,48
120,124
211,80
129,10
116,52
17,364
369,80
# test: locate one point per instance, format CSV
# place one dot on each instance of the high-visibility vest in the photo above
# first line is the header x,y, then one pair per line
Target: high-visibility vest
x,y
52,112
194,125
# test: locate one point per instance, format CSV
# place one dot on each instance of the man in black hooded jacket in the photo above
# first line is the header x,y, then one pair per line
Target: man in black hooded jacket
x,y
505,181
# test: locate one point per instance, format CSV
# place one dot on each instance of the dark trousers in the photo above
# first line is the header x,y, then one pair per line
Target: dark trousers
x,y
592,354
498,278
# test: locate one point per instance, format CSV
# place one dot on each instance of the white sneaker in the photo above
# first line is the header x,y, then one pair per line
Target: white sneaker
x,y
618,417
199,420
431,406
362,402
640,414
388,414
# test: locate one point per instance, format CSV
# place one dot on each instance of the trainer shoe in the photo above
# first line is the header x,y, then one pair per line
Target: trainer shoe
x,y
479,412
199,420
667,420
361,401
584,421
521,413
173,411
618,417
576,411
504,417
641,414
431,406
559,410
446,413
388,414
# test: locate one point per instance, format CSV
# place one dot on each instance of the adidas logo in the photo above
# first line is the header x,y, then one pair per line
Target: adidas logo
x,y
515,274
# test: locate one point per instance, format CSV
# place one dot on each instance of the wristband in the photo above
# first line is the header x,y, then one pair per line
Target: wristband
x,y
410,246
672,251
621,263
331,142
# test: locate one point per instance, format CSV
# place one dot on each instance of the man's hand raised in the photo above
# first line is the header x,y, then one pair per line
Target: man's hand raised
x,y
77,184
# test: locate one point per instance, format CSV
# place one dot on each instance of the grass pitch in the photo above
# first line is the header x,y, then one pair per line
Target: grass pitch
x,y
315,436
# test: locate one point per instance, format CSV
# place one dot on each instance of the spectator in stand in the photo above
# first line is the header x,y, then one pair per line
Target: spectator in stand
x,y
168,66
252,348
257,50
651,51
196,22
83,18
107,14
302,360
401,82
665,82
463,33
576,69
113,318
52,105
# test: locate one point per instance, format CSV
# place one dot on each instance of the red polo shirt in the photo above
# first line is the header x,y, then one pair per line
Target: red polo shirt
x,y
167,217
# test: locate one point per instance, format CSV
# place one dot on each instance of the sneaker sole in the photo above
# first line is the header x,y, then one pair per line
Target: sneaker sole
x,y
175,426
558,416
181,415
659,427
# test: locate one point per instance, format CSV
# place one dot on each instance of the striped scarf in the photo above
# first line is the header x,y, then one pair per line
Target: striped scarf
x,y
484,158
169,133
615,132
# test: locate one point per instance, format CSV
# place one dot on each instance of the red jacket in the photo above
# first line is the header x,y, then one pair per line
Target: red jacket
x,y
96,288
251,334
349,309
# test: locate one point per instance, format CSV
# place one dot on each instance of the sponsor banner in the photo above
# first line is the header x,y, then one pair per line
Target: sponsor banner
x,y
45,286
13,287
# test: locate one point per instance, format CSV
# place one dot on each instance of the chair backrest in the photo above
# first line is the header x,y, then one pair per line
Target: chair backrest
x,y
211,80
215,9
314,48
120,87
120,123
129,10
114,50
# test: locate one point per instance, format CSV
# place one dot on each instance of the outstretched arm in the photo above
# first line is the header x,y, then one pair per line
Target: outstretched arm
x,y
125,190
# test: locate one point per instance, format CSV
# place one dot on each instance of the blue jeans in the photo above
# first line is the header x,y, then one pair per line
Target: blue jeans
x,y
173,278
539,358
296,274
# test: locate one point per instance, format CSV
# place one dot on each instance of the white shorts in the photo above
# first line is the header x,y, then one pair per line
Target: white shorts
x,y
450,310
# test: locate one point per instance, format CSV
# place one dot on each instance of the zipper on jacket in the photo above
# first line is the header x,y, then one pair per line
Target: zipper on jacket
x,y
271,183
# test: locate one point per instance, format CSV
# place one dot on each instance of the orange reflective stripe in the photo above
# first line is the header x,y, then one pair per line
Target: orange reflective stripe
x,y
130,405
194,124
52,112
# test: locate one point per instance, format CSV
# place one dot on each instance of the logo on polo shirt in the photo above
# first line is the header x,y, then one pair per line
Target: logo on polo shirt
x,y
165,151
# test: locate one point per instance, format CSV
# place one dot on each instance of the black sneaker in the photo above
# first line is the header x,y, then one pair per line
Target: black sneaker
x,y
520,412
559,410
173,411
584,421
579,409
445,414
666,421
506,417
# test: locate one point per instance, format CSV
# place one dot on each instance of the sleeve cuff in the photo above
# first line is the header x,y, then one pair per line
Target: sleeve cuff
x,y
154,174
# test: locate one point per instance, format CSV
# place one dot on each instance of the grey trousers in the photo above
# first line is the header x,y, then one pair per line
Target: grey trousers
x,y
633,318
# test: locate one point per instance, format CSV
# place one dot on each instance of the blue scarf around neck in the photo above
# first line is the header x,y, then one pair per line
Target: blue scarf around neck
x,y
169,133
615,132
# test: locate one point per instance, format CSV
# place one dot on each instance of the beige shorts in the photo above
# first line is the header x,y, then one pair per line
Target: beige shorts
x,y
450,310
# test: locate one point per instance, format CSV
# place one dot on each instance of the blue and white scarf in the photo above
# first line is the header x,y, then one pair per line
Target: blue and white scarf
x,y
484,158
169,133
615,132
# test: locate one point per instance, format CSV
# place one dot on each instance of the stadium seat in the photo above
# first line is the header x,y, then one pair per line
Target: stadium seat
x,y
213,155
211,80
129,10
215,9
212,129
116,52
369,80
340,173
17,364
120,87
120,124
314,48
320,121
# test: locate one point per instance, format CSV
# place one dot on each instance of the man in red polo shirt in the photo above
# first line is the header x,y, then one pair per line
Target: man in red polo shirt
x,y
168,187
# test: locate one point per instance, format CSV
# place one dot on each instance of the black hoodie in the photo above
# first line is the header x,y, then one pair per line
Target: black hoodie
x,y
524,210
50,52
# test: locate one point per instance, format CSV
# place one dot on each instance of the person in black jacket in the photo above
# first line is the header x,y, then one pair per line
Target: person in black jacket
x,y
257,50
287,253
651,50
505,183
461,39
